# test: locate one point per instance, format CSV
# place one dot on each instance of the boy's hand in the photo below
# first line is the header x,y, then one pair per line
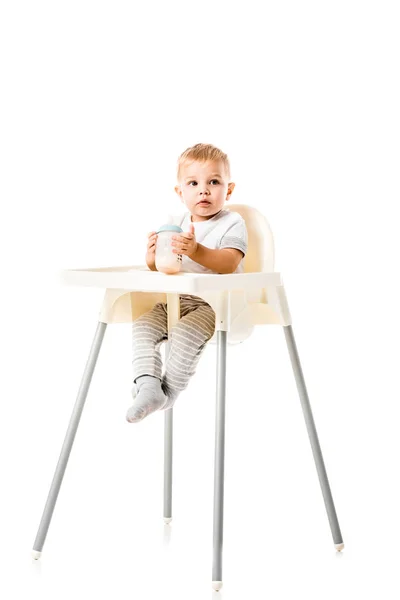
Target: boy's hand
x,y
151,243
151,250
185,243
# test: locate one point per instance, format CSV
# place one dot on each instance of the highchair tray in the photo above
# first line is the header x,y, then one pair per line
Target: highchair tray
x,y
141,278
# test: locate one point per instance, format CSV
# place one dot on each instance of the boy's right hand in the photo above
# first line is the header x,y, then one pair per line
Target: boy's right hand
x,y
151,243
151,250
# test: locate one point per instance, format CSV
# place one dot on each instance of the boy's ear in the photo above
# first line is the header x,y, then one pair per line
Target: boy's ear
x,y
179,191
231,187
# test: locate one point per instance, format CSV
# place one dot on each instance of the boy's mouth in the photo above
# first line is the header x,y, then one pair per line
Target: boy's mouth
x,y
203,202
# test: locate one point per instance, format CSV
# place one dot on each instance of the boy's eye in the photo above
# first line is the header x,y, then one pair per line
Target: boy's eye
x,y
213,181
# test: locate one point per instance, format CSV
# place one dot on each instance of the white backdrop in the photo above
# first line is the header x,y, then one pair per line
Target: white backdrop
x,y
98,100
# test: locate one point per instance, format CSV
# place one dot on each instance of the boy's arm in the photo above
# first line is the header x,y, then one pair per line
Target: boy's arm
x,y
221,261
151,263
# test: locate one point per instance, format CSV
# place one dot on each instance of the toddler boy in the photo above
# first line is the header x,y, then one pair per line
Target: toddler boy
x,y
214,240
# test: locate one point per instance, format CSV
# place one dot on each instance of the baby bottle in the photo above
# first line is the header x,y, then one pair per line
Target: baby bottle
x,y
166,260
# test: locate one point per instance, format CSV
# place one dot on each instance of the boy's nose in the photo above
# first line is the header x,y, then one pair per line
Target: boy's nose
x,y
204,192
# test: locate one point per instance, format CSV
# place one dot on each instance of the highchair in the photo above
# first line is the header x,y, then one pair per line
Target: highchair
x,y
240,301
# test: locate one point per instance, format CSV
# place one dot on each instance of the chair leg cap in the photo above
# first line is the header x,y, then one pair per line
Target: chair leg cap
x,y
339,547
36,554
217,585
167,520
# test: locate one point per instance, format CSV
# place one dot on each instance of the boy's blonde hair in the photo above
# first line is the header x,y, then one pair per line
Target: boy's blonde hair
x,y
202,153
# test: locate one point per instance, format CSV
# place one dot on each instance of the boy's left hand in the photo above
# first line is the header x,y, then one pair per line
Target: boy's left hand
x,y
185,243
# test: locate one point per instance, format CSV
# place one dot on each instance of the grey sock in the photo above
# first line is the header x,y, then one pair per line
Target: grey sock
x,y
148,398
171,395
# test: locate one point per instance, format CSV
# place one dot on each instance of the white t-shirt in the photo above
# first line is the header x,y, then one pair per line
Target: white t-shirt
x,y
226,229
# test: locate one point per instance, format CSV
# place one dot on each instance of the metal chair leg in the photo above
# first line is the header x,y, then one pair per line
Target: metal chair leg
x,y
68,442
173,309
312,432
168,439
219,461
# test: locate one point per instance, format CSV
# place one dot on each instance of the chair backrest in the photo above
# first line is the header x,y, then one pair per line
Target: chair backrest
x,y
261,250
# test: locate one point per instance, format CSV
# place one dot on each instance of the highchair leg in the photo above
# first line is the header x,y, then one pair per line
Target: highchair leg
x,y
69,440
219,461
168,439
312,432
173,310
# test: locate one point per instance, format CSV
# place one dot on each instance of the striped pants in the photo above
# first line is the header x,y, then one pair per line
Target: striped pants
x,y
188,339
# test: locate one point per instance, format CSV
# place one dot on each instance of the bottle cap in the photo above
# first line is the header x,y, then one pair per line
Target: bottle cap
x,y
169,227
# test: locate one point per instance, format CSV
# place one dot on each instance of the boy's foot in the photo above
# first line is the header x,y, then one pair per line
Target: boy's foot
x,y
170,397
148,398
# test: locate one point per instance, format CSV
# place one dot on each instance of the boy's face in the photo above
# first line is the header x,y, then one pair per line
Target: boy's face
x,y
203,188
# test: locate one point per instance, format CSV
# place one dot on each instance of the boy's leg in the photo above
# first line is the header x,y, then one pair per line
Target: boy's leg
x,y
148,333
188,339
